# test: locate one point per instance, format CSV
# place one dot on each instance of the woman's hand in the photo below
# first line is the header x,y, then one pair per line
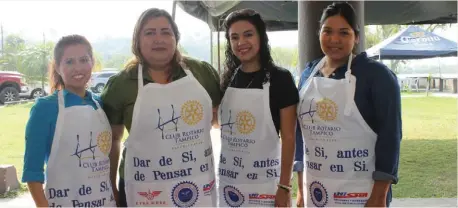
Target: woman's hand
x,y
283,198
376,202
38,194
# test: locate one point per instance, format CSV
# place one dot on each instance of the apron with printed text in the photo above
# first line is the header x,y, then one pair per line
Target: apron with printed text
x,y
249,165
78,170
169,155
339,146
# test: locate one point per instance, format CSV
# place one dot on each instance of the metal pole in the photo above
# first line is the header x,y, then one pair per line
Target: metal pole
x,y
219,59
1,31
43,74
174,8
211,47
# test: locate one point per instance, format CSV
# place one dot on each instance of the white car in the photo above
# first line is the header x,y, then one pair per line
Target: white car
x,y
100,79
34,90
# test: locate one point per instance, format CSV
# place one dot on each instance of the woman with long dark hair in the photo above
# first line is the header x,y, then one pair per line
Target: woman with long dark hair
x,y
259,103
350,119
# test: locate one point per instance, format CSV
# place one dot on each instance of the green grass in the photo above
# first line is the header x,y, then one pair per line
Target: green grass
x,y
15,193
428,163
13,120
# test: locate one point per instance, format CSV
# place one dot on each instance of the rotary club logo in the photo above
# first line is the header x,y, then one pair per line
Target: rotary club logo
x,y
104,142
192,112
246,122
327,109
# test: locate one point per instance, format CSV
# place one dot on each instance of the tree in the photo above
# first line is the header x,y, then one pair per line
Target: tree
x,y
222,55
10,61
35,61
116,61
182,50
98,64
283,57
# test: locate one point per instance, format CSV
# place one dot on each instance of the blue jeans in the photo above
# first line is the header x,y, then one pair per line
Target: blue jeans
x,y
299,153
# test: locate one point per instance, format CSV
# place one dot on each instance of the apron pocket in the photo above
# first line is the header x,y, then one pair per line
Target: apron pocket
x,y
247,195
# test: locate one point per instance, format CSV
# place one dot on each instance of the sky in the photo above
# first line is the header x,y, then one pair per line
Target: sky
x,y
104,18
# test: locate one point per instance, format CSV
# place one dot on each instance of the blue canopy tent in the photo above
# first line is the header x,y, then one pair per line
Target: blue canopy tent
x,y
413,43
416,43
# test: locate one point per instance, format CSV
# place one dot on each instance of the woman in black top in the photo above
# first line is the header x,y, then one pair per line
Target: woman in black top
x,y
259,103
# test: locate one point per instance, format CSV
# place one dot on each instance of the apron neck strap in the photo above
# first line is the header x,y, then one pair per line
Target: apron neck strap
x,y
348,72
96,103
140,76
60,100
314,71
186,69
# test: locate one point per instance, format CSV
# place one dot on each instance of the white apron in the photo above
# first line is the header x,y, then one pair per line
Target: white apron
x,y
169,158
249,166
78,169
338,144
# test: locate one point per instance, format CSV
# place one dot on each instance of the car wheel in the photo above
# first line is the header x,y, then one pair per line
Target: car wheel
x,y
9,94
99,88
36,93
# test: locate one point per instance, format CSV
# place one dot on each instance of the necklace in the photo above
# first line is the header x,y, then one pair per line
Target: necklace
x,y
250,82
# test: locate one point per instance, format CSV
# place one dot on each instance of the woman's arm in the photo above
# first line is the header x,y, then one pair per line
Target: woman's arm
x,y
117,133
210,80
215,123
38,195
113,107
288,142
288,97
386,96
38,141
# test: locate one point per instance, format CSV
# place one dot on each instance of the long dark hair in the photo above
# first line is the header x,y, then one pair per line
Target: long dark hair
x,y
232,62
142,20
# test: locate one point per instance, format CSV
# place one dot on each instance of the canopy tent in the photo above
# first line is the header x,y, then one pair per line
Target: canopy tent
x,y
283,15
413,43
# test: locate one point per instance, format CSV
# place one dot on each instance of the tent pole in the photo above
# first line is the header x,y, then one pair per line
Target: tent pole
x,y
174,8
440,71
218,42
211,47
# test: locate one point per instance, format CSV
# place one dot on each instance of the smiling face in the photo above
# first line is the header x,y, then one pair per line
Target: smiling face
x,y
244,41
157,41
75,66
337,38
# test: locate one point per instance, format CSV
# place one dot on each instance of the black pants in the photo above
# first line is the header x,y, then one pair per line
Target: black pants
x,y
122,193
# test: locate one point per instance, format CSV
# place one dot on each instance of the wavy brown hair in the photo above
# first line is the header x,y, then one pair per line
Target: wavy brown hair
x,y
55,80
232,62
142,20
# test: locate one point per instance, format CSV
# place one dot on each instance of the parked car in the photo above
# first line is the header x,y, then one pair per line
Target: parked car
x,y
35,90
11,84
100,79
